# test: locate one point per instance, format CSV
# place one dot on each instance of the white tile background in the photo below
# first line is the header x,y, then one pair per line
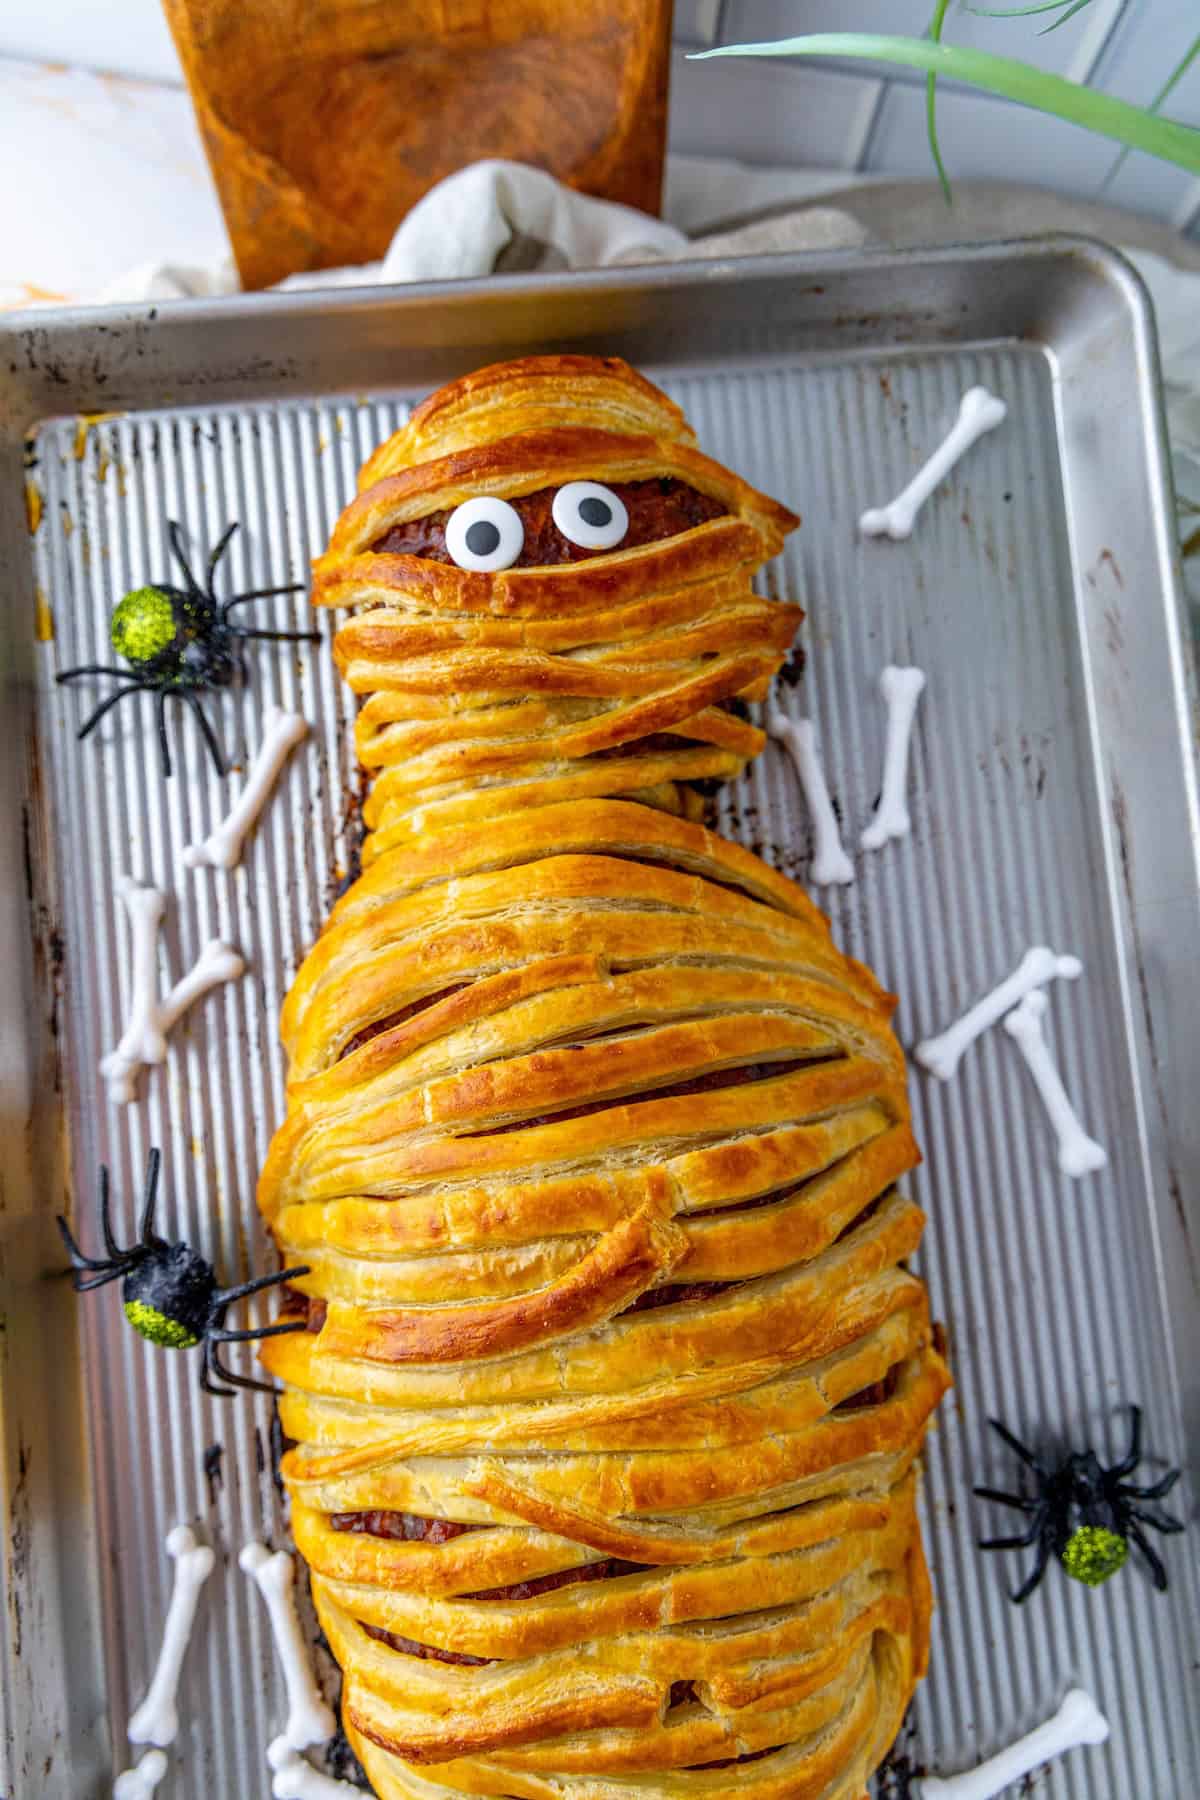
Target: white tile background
x,y
792,111
105,169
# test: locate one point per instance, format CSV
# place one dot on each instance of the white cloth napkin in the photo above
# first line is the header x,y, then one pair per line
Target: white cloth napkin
x,y
498,216
502,215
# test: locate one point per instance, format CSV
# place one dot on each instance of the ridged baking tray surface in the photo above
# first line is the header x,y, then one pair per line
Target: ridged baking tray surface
x,y
1052,798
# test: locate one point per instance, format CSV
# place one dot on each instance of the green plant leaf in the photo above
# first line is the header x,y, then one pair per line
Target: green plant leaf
x,y
935,148
1066,8
1173,79
1063,17
1136,126
1024,12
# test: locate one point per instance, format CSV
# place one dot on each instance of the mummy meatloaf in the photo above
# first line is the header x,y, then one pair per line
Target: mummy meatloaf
x,y
607,1413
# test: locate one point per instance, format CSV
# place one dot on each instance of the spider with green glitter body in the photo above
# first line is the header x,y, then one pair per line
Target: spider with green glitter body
x,y
170,1292
1085,1514
178,641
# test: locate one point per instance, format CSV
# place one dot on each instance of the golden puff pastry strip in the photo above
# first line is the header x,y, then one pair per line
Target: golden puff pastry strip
x,y
559,683
606,1419
491,403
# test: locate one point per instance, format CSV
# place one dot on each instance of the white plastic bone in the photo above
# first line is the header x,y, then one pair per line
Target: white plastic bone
x,y
901,689
829,862
1078,1721
222,848
980,412
297,1780
309,1720
139,1783
144,1040
156,1720
1078,1154
941,1055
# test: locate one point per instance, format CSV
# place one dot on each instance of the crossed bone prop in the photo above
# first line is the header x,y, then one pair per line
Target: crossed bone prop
x,y
222,848
1077,1721
1078,1154
979,412
294,1779
144,1039
829,861
901,689
139,1783
309,1720
156,1720
1019,1000
941,1055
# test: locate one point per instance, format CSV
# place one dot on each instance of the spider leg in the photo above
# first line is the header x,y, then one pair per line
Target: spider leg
x,y
210,736
149,1198
241,1381
291,587
278,637
215,555
207,1370
1019,1500
137,687
1133,1455
96,669
175,538
110,1242
1015,1444
1035,1574
1155,1491
97,1281
1154,1515
227,1295
79,1262
164,747
1014,1543
252,1334
1157,1571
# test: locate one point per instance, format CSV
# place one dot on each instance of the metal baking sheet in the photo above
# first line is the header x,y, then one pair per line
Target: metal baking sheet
x,y
1053,800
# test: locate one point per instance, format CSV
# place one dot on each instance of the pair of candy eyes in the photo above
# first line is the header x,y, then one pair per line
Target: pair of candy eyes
x,y
487,534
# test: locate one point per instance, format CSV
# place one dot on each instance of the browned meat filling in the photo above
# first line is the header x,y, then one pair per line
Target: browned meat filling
x,y
874,1395
412,1528
862,1218
379,1026
675,1293
546,1584
415,1528
696,1084
659,508
426,1652
730,1762
518,1590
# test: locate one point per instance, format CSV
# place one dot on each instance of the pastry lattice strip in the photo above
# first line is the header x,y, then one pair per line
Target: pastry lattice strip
x,y
607,1415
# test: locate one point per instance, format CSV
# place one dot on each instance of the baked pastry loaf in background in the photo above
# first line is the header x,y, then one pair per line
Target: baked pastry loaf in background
x,y
607,1414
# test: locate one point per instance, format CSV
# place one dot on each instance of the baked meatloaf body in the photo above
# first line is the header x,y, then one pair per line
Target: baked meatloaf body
x,y
606,1421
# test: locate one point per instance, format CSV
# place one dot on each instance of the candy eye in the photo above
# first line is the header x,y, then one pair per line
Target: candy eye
x,y
590,515
484,534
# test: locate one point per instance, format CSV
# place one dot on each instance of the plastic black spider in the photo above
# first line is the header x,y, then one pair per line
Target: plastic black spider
x,y
170,1292
1085,1514
178,641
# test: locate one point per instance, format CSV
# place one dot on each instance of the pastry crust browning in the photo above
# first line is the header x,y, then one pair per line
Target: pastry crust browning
x,y
607,1415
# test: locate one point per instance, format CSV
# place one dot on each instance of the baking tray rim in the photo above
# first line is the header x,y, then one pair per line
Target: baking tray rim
x,y
33,343
82,329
